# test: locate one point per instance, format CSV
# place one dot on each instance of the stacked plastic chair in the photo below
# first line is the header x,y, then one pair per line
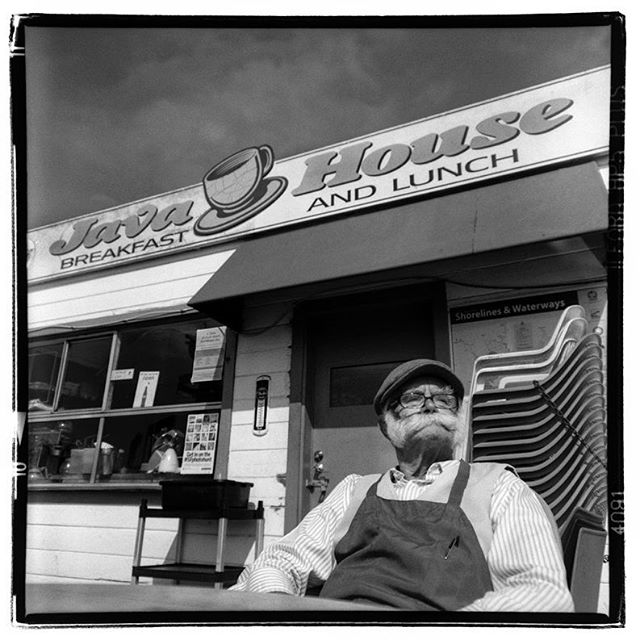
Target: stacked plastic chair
x,y
543,412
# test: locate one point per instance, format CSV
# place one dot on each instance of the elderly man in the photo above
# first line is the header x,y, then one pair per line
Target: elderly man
x,y
433,533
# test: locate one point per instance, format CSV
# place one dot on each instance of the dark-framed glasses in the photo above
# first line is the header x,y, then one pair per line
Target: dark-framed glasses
x,y
417,400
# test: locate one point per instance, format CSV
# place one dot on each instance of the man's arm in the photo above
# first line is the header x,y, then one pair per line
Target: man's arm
x,y
525,561
306,552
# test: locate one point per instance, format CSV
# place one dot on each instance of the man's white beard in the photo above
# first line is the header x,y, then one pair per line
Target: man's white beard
x,y
438,433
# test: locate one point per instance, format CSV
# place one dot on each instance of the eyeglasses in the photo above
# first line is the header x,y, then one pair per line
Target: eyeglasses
x,y
417,400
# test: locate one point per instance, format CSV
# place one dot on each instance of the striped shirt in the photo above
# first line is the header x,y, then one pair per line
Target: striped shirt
x,y
524,559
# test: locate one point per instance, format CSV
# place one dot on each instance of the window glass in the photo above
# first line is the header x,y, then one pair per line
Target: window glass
x,y
85,373
62,450
138,443
165,353
44,365
154,366
358,384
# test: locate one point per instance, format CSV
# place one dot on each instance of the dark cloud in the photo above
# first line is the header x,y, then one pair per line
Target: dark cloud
x,y
121,114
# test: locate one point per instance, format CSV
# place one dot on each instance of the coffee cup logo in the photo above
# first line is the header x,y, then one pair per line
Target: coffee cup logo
x,y
238,188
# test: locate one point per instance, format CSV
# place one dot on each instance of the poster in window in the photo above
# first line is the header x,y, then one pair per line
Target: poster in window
x,y
209,355
201,438
146,389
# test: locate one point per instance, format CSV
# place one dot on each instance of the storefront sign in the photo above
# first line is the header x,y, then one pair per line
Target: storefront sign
x,y
249,192
200,443
514,307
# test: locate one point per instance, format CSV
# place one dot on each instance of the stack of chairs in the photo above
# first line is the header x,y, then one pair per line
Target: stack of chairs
x,y
508,369
543,412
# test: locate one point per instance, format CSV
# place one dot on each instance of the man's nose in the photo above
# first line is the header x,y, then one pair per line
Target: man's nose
x,y
429,406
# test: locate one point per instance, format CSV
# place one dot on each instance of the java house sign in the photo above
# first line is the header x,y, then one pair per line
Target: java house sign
x,y
250,191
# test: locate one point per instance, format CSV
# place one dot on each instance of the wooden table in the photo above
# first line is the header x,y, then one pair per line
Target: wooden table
x,y
110,604
120,604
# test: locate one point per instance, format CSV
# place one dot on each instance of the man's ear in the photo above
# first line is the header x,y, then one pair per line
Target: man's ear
x,y
460,437
382,423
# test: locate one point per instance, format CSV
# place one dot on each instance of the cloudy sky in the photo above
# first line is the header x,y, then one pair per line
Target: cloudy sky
x,y
115,115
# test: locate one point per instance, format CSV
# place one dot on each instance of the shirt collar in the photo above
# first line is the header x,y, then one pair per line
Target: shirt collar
x,y
432,473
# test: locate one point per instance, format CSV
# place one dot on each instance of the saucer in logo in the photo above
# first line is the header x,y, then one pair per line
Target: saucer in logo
x,y
237,189
215,220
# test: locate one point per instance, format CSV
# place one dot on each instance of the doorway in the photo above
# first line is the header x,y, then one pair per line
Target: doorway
x,y
351,343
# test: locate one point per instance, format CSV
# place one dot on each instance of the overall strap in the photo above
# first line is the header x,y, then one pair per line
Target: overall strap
x,y
373,489
459,485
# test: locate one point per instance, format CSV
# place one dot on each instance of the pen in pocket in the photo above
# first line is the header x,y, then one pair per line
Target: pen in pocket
x,y
453,543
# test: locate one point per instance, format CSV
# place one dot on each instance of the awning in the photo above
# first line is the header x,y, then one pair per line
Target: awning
x,y
555,204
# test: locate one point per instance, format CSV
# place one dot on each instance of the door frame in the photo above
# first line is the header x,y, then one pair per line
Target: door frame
x,y
301,386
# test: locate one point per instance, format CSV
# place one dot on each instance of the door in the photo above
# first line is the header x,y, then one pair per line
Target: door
x,y
352,345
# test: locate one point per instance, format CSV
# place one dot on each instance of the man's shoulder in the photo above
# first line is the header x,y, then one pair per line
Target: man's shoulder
x,y
353,481
502,477
497,470
354,478
369,477
358,485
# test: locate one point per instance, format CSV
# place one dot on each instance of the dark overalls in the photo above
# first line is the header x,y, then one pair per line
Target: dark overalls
x,y
411,554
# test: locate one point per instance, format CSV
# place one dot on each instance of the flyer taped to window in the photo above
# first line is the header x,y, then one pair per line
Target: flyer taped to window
x,y
209,355
200,442
146,389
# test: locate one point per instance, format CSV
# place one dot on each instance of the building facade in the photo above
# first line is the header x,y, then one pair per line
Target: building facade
x,y
247,320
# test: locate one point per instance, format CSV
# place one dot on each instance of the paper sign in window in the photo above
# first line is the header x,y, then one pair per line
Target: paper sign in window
x,y
146,389
122,374
209,355
200,442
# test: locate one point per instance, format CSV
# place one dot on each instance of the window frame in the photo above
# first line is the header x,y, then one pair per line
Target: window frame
x,y
45,343
104,412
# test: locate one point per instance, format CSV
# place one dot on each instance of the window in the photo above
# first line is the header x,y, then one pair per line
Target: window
x,y
357,384
62,447
85,373
126,393
44,366
168,349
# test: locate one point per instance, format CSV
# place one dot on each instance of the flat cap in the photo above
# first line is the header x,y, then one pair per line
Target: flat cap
x,y
411,369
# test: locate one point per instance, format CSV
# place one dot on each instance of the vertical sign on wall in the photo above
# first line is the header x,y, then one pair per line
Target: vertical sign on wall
x,y
504,326
516,324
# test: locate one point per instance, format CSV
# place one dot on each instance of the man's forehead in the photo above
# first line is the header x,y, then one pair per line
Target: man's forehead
x,y
421,382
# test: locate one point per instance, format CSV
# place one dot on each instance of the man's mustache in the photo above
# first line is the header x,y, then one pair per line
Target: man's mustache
x,y
447,422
